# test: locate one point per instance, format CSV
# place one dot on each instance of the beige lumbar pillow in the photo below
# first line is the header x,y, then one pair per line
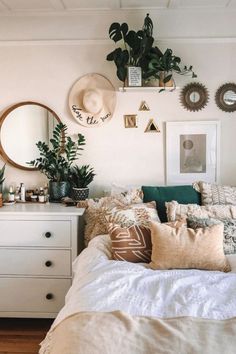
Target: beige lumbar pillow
x,y
185,248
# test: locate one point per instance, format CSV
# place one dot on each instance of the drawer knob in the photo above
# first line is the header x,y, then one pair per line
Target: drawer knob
x,y
48,234
48,264
49,296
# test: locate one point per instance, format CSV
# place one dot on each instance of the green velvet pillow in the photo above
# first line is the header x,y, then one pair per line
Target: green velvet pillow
x,y
182,194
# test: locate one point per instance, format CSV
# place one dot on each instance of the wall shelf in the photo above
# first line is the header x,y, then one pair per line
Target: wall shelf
x,y
147,89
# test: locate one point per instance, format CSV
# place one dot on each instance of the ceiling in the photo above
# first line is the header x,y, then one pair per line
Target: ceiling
x,y
11,7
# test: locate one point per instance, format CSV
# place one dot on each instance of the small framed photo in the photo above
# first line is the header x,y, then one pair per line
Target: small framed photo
x,y
192,152
134,76
130,121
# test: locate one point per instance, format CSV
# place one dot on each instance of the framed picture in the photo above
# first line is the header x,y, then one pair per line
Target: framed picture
x,y
130,121
192,152
134,76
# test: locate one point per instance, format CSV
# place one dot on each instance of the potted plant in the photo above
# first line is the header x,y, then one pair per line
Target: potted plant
x,y
133,46
2,171
136,49
80,178
55,161
161,66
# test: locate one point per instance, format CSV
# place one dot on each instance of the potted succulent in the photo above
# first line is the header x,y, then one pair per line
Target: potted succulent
x,y
136,49
2,171
80,178
55,161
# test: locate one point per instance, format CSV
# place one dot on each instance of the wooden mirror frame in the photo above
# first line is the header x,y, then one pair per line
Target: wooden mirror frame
x,y
5,157
186,93
219,97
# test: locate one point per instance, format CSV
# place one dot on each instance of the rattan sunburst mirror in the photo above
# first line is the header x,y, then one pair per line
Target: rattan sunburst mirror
x,y
226,97
194,96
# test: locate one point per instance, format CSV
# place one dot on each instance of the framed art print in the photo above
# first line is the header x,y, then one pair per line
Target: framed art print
x,y
192,152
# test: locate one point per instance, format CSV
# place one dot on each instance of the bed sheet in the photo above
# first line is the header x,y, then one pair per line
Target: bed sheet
x,y
104,285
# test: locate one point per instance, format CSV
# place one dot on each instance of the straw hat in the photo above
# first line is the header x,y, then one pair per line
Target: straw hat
x,y
92,100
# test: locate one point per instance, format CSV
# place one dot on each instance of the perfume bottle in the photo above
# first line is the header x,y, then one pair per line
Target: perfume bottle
x,y
17,194
22,192
11,195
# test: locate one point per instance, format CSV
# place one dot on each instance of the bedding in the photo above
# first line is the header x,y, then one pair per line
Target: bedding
x,y
176,211
212,194
105,287
186,248
182,194
124,210
229,241
132,244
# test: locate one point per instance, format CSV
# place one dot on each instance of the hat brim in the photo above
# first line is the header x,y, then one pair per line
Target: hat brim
x,y
107,90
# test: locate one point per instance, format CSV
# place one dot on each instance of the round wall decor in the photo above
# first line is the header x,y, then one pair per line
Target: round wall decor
x,y
92,100
226,97
194,96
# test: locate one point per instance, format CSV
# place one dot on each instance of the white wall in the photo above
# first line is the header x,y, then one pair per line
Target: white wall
x,y
44,71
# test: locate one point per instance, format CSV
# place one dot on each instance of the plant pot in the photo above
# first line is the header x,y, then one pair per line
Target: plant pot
x,y
80,194
151,83
169,83
58,190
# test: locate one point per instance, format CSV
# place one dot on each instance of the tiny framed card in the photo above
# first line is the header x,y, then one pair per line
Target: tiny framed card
x,y
134,76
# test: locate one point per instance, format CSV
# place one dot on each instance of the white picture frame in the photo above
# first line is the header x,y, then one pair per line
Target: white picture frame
x,y
134,76
192,152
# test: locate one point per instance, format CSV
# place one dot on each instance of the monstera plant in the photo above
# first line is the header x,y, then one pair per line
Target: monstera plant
x,y
137,49
134,45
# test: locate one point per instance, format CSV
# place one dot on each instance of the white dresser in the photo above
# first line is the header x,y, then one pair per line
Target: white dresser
x,y
38,243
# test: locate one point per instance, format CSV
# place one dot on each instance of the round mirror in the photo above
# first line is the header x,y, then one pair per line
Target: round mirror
x,y
194,96
226,97
21,127
229,97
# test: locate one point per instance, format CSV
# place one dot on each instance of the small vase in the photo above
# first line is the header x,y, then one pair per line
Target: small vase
x,y
151,83
169,83
58,190
80,194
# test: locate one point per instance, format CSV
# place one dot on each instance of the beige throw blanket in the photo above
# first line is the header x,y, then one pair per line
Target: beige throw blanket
x,y
119,333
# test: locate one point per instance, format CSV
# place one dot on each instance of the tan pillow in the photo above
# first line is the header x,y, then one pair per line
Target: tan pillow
x,y
184,248
132,244
176,211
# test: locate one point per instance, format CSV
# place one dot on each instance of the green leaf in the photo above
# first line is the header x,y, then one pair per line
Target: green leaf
x,y
115,32
167,78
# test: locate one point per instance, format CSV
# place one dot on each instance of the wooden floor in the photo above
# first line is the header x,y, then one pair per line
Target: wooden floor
x,y
22,336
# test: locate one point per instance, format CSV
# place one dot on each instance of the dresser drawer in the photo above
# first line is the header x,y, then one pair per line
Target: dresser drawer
x,y
32,295
35,262
44,233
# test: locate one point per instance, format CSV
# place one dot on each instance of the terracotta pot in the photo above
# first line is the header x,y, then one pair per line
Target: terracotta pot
x,y
169,83
151,83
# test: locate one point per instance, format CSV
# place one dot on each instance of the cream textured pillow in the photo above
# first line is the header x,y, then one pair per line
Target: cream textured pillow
x,y
184,248
212,194
176,211
125,210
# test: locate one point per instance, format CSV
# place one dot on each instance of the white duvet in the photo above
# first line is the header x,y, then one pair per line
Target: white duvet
x,y
101,284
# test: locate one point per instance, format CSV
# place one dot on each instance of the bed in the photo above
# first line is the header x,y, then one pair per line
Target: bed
x,y
121,307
